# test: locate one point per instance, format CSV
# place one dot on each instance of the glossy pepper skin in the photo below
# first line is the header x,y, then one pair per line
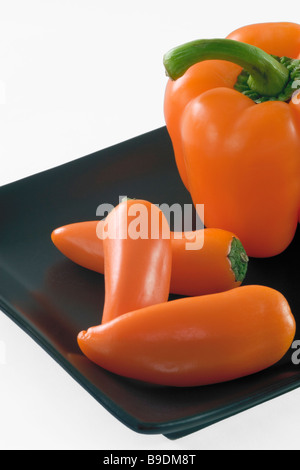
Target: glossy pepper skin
x,y
239,157
80,243
137,265
195,340
218,265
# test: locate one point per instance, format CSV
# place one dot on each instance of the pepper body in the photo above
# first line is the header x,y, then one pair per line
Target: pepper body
x,y
239,158
137,265
80,243
195,340
221,264
214,267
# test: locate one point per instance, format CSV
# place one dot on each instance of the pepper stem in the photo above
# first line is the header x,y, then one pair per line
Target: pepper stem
x,y
267,76
238,260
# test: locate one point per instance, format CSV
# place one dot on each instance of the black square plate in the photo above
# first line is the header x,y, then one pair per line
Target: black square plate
x,y
53,299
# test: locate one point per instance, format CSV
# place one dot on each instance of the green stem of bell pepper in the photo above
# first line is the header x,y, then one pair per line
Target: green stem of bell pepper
x,y
267,76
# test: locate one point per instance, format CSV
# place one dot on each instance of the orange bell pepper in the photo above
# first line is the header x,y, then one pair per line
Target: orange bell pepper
x,y
219,265
195,340
233,114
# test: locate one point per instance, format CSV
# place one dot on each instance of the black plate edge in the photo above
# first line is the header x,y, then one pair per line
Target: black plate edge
x,y
61,361
172,429
217,415
79,159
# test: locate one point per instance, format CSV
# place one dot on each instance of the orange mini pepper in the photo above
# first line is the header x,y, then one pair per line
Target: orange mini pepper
x,y
220,264
137,258
232,109
195,340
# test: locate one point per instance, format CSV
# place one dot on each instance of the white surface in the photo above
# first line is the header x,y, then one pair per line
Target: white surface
x,y
75,77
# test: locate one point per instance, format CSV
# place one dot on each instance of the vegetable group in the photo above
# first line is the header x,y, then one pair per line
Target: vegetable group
x,y
236,131
220,264
235,127
197,340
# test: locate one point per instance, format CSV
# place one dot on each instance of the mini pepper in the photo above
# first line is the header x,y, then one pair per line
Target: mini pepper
x,y
195,341
232,110
219,265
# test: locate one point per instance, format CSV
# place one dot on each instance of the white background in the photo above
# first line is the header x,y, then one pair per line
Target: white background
x,y
75,77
